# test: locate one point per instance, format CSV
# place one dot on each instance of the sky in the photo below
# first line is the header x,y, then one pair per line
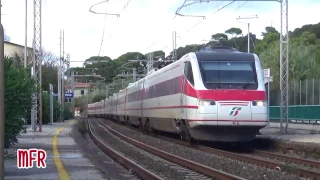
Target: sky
x,y
143,25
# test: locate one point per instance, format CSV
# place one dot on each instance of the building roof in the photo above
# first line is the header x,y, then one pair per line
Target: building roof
x,y
82,85
7,42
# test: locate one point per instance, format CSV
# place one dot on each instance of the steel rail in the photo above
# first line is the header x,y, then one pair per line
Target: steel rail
x,y
175,159
264,163
140,171
306,162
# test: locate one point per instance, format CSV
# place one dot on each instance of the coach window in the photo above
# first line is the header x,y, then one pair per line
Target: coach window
x,y
188,72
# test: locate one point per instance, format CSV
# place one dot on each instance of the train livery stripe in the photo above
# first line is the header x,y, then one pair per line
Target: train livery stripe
x,y
221,120
173,86
164,107
225,94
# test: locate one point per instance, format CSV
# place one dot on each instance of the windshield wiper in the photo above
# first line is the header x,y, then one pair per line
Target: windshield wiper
x,y
248,82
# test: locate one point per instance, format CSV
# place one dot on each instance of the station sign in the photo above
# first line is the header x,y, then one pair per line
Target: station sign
x,y
68,95
267,76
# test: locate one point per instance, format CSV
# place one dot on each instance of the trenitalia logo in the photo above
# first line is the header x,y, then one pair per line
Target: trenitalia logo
x,y
235,111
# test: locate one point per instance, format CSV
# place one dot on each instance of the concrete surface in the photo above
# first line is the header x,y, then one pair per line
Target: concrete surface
x,y
296,133
64,160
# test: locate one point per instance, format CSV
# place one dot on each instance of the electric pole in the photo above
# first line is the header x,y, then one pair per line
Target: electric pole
x,y
37,61
72,85
51,103
174,45
62,86
134,74
2,115
248,28
59,77
25,37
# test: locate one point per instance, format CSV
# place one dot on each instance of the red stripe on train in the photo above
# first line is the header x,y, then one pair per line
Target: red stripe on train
x,y
164,107
225,95
204,120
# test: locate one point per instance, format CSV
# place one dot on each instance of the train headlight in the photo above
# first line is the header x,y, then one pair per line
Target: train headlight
x,y
207,102
258,103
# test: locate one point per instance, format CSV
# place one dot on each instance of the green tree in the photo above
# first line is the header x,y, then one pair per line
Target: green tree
x,y
18,90
302,55
234,31
218,36
270,38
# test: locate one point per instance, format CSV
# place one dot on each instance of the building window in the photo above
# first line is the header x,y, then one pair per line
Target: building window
x,y
82,92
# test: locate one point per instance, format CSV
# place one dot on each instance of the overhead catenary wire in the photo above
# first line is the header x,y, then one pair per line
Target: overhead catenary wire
x,y
150,45
103,32
125,6
101,44
216,11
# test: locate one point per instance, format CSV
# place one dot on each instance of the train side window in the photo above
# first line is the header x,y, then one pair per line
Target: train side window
x,y
188,72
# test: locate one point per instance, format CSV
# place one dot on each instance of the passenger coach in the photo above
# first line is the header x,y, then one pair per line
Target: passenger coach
x,y
211,95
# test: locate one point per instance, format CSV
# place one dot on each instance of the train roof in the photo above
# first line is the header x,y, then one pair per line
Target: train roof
x,y
223,53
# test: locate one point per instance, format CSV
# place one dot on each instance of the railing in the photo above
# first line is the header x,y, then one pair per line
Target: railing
x,y
297,113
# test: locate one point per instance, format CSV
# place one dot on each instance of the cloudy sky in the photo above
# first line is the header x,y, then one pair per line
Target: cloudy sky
x,y
143,25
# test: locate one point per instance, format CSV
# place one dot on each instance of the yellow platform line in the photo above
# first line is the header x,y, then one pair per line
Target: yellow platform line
x,y
63,174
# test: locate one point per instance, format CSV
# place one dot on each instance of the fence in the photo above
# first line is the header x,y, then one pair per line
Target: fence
x,y
304,102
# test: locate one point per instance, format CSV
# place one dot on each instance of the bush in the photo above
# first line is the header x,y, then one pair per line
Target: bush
x,y
19,87
67,113
82,127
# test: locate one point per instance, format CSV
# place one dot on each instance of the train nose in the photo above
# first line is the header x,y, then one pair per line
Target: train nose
x,y
234,112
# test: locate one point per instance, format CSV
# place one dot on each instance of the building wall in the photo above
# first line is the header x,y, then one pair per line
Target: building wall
x,y
11,49
77,91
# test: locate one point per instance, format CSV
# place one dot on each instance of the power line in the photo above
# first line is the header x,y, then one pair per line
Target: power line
x,y
125,6
219,9
150,45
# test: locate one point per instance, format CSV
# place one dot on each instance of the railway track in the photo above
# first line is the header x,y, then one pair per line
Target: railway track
x,y
306,162
254,160
140,171
145,174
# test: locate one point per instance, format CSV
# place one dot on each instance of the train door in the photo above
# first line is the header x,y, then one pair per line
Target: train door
x,y
141,97
187,78
182,96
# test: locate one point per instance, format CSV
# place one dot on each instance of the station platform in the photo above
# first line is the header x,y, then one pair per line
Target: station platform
x,y
64,161
303,133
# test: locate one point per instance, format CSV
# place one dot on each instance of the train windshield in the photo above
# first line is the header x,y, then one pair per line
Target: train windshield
x,y
229,74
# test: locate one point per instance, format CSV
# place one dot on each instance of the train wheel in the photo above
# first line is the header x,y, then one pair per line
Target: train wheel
x,y
140,125
148,127
189,138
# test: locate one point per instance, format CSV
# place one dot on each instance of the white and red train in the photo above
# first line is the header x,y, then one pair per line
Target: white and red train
x,y
215,95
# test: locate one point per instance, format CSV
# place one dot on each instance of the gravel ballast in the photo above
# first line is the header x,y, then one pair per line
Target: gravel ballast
x,y
307,150
296,154
154,164
303,166
245,170
107,166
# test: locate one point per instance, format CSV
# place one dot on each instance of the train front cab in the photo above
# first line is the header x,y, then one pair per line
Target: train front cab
x,y
230,95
